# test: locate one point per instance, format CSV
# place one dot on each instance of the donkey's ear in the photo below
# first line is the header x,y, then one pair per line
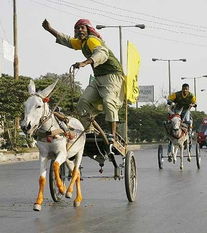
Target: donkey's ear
x,y
44,93
31,87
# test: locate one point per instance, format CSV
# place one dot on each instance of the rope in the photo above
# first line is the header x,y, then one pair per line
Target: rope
x,y
97,146
71,77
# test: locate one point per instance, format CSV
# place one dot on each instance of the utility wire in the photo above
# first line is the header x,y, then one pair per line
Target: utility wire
x,y
131,17
178,32
57,9
92,10
54,8
168,39
148,15
152,35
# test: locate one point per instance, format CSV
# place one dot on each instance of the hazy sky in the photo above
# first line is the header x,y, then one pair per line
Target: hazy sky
x,y
174,29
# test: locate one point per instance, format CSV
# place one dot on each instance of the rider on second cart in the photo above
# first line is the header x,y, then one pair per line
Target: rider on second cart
x,y
184,100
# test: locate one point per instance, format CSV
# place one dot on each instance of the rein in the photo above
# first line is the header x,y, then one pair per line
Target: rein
x,y
43,120
71,81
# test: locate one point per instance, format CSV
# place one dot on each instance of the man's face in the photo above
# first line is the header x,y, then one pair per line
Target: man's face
x,y
185,90
81,32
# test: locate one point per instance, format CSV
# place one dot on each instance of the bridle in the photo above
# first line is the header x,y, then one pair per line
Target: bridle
x,y
171,133
44,118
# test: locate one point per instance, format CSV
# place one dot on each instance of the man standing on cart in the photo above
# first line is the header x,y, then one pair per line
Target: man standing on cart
x,y
184,100
106,91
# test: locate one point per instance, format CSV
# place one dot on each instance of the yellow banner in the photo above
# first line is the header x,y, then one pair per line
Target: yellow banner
x,y
133,65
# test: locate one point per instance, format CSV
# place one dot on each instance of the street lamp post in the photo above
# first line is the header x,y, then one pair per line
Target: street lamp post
x,y
141,26
169,72
194,83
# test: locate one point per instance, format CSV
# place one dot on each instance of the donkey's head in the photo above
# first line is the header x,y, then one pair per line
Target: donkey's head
x,y
175,119
36,107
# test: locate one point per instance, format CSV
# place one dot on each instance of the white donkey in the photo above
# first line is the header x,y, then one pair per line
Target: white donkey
x,y
51,140
179,137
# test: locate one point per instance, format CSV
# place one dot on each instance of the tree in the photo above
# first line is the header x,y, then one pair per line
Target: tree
x,y
13,93
197,119
66,93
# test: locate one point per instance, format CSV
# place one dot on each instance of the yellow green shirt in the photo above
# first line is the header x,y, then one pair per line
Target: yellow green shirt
x,y
181,100
88,46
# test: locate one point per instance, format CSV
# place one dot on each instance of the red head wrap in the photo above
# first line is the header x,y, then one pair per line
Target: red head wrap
x,y
91,29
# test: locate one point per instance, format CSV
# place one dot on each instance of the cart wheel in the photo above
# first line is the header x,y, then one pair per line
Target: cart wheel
x,y
130,176
160,156
56,196
198,156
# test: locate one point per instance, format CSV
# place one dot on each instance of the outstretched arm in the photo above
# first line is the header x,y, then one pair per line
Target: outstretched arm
x,y
47,27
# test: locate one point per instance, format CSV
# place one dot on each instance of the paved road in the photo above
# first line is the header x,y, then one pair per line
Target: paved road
x,y
168,201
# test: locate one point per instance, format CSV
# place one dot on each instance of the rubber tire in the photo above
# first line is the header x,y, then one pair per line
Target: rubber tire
x,y
130,176
198,156
56,196
160,156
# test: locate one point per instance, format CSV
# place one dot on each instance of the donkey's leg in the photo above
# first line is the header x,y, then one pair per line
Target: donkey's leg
x,y
174,153
42,181
188,151
76,179
79,197
75,175
181,157
169,151
71,166
61,158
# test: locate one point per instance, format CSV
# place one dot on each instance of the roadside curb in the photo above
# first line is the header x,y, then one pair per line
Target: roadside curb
x,y
5,157
20,157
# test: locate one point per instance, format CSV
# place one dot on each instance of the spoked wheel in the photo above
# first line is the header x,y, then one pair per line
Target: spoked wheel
x,y
56,196
198,156
160,156
130,176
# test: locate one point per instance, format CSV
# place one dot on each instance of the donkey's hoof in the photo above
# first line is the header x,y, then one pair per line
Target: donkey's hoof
x,y
68,195
181,168
37,207
189,159
76,203
62,190
169,159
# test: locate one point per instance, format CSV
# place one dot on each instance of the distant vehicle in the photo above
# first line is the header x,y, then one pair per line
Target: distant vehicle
x,y
202,133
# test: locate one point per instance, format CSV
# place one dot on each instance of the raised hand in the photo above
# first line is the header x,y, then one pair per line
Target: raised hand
x,y
46,25
77,65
